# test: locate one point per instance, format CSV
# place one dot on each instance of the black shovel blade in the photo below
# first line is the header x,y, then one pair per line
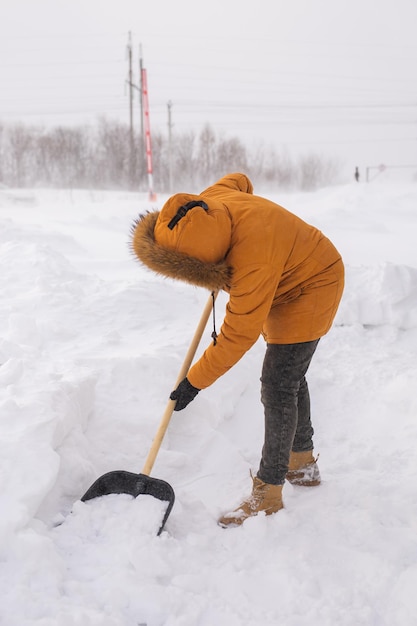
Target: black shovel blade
x,y
120,481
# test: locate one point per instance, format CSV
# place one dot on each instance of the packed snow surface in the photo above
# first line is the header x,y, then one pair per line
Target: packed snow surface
x,y
90,347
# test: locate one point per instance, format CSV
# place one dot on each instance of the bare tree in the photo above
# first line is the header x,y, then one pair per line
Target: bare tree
x,y
19,142
286,172
72,149
100,157
112,154
184,160
2,134
207,152
315,171
231,157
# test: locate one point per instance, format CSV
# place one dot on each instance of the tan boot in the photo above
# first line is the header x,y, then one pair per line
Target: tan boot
x,y
303,469
264,497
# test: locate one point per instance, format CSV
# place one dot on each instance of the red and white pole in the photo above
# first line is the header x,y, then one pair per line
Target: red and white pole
x,y
147,128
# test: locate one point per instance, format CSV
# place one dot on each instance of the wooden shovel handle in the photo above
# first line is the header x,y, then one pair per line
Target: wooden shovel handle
x,y
163,425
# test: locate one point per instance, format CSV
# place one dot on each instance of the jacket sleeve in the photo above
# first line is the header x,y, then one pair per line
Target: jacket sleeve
x,y
237,182
248,307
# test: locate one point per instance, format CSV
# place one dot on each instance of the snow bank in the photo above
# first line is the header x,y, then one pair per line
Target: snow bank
x,y
380,295
90,345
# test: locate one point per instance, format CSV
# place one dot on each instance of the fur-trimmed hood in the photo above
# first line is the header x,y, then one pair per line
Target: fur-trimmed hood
x,y
187,240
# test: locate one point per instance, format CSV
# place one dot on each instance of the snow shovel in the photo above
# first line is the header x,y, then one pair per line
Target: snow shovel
x,y
121,481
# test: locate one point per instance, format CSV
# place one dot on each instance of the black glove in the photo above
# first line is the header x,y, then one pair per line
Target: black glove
x,y
184,394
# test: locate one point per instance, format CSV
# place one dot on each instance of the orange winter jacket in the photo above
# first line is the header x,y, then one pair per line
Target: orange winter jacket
x,y
284,277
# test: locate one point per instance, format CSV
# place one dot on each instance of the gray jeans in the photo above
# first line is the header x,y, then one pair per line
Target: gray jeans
x,y
286,400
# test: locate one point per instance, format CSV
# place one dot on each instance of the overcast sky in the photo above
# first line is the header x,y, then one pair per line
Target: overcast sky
x,y
333,77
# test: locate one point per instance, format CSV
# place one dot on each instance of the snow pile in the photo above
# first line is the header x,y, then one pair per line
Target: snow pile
x,y
90,347
380,294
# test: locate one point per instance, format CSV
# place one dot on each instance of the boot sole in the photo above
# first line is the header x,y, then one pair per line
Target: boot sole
x,y
301,483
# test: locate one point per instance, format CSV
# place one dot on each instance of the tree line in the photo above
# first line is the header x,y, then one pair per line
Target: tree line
x,y
106,156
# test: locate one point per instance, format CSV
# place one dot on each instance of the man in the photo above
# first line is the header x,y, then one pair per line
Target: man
x,y
285,280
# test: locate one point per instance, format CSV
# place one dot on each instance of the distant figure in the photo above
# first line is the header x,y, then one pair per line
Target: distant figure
x,y
357,174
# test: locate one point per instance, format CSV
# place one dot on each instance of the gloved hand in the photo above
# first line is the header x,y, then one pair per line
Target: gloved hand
x,y
184,394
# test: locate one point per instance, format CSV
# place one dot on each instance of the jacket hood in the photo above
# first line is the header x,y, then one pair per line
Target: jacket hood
x,y
187,240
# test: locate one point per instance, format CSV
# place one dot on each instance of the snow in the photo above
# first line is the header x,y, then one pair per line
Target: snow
x,y
90,347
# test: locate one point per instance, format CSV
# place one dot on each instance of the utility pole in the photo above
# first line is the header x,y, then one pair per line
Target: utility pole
x,y
148,147
170,145
140,92
144,119
142,150
131,130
